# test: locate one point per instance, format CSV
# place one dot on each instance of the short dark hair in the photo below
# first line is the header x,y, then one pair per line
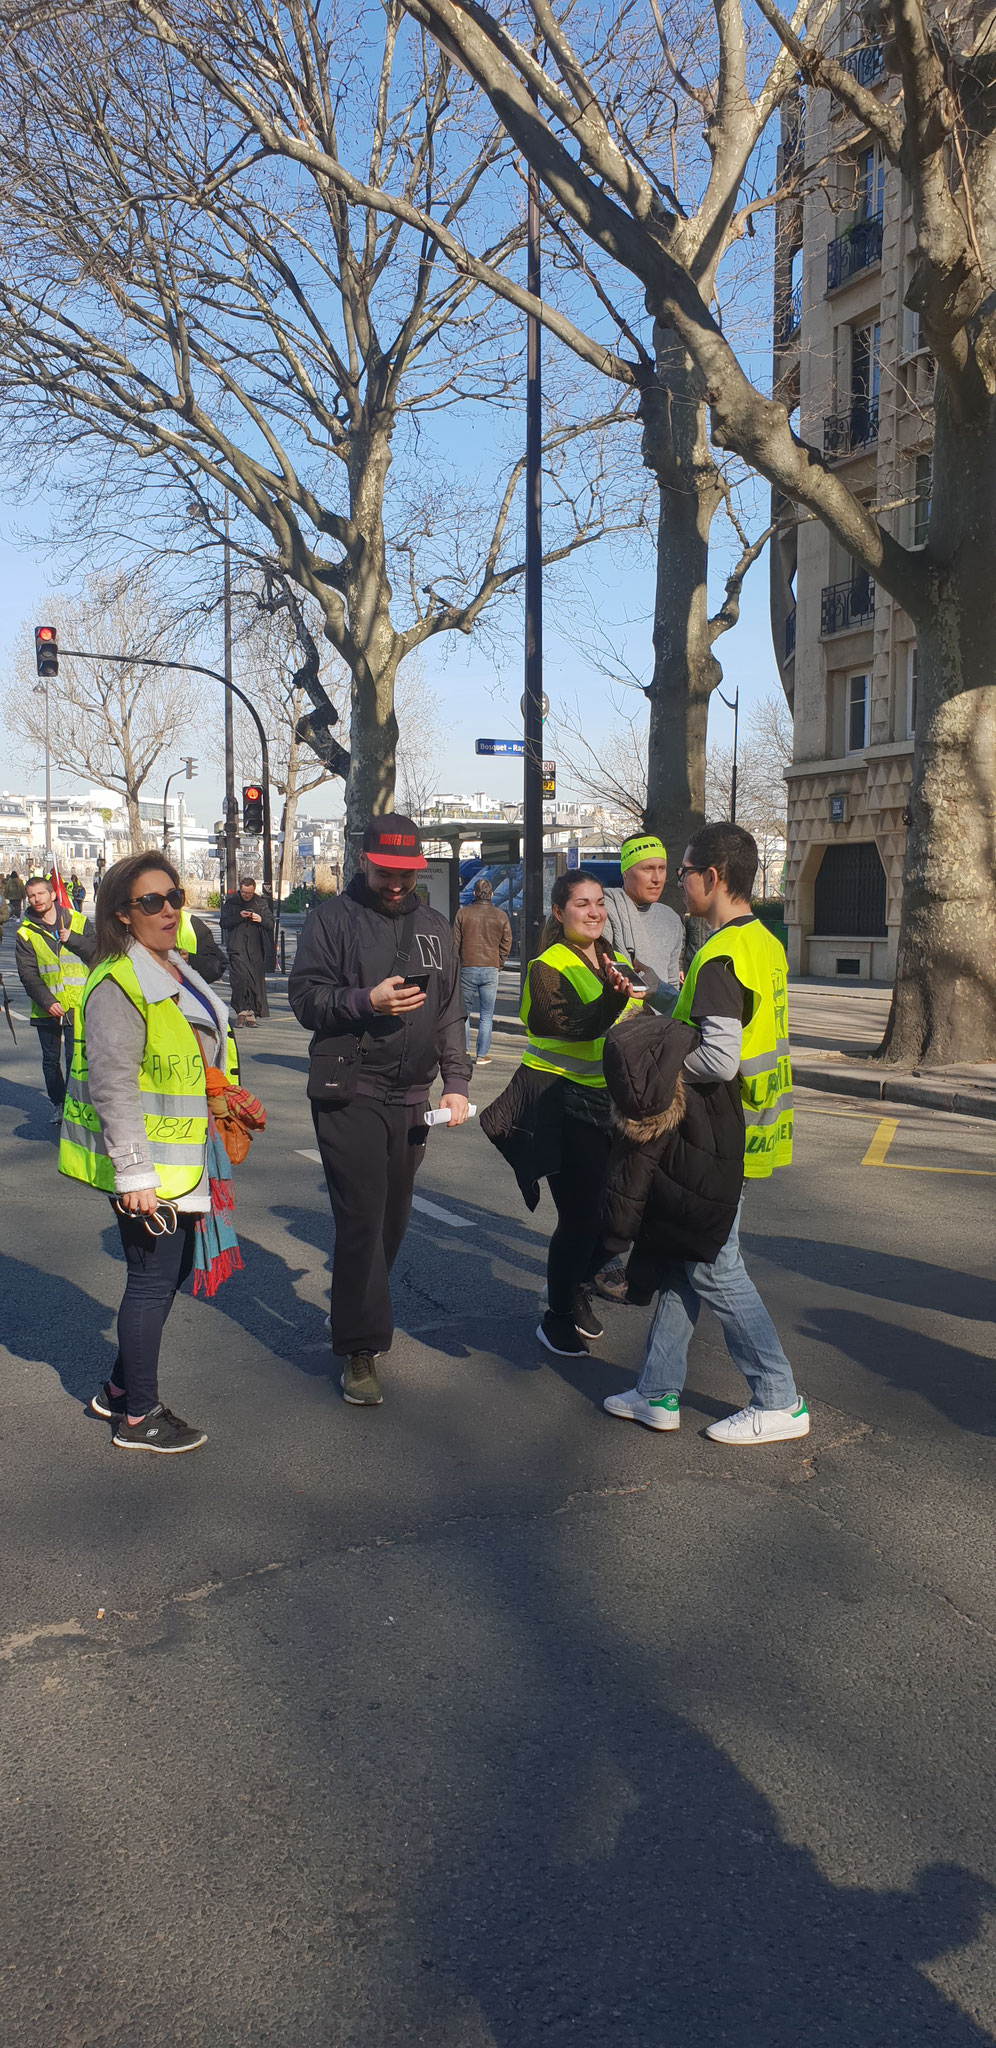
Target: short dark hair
x,y
731,851
483,891
32,879
115,894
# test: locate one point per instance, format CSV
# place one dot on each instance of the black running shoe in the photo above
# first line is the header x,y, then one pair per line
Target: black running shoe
x,y
559,1334
107,1404
359,1383
160,1430
586,1321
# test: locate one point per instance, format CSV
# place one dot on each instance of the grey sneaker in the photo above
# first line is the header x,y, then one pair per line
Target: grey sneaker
x,y
359,1383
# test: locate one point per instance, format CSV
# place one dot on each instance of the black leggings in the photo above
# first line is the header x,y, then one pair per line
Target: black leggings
x,y
577,1190
157,1266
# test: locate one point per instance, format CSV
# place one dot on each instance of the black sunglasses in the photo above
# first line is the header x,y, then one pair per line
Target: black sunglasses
x,y
154,902
681,872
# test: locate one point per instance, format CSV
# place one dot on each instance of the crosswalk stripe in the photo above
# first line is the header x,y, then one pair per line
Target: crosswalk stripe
x,y
418,1202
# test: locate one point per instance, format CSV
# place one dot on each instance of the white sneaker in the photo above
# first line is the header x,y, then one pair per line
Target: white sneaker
x,y
753,1425
660,1414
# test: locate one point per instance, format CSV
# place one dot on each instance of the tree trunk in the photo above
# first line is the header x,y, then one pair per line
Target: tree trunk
x,y
944,1003
676,450
136,829
376,650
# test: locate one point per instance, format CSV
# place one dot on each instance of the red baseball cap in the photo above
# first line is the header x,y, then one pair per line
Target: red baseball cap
x,y
394,842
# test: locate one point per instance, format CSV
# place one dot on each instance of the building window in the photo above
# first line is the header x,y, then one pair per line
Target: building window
x,y
870,190
912,665
856,715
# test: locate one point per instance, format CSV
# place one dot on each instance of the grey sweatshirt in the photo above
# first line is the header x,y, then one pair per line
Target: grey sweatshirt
x,y
651,933
115,1043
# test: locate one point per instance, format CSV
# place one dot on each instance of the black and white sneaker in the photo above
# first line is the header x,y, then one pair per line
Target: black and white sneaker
x,y
559,1334
159,1430
107,1404
586,1321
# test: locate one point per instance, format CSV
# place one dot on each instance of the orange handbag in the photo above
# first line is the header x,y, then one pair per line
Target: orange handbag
x,y
237,1113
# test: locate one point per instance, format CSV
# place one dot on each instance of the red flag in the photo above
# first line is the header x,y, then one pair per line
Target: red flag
x,y
59,888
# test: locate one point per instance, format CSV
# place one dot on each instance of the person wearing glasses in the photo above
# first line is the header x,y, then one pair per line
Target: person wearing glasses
x,y
135,1125
736,996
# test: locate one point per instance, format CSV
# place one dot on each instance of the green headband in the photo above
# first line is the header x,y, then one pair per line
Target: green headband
x,y
641,849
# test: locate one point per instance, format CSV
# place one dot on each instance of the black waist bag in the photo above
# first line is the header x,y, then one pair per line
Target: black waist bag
x,y
337,1063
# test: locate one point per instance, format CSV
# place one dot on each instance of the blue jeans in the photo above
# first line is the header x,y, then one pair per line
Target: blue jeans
x,y
751,1337
479,987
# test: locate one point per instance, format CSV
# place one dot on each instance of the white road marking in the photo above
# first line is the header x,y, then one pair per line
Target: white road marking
x,y
418,1202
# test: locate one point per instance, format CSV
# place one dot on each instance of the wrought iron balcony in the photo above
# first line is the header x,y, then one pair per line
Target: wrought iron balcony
x,y
791,318
853,251
866,63
844,432
790,633
847,604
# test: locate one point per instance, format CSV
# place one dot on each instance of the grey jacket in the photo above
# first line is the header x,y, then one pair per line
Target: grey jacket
x,y
115,1043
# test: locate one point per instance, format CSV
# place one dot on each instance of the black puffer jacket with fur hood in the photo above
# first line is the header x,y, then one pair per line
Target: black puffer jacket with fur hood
x,y
677,1166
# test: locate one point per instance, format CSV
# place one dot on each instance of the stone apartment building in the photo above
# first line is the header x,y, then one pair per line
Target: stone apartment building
x,y
849,354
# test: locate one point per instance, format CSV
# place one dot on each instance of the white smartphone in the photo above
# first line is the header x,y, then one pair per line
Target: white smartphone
x,y
442,1116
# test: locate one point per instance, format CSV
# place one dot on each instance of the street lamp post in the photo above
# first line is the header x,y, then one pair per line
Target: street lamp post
x,y
735,708
43,685
532,702
188,770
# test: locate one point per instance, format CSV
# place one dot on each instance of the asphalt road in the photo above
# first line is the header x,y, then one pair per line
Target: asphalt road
x,y
482,1720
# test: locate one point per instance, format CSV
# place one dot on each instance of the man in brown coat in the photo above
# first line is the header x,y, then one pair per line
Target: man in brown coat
x,y
484,940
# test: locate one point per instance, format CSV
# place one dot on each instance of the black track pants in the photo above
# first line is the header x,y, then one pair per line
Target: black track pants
x,y
371,1151
577,1190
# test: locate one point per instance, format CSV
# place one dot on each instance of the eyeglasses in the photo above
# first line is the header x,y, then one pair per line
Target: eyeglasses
x,y
154,902
681,872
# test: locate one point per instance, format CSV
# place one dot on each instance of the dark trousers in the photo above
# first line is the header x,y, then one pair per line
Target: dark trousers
x,y
53,1034
371,1151
577,1190
157,1266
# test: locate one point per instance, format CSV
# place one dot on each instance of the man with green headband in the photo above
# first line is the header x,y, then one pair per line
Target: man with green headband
x,y
637,922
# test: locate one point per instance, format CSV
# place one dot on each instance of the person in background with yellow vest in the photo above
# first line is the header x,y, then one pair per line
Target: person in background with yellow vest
x,y
736,993
136,1126
53,951
554,1120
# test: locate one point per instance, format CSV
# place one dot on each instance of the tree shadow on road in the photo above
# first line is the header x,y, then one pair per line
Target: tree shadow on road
x,y
610,1879
882,1275
961,1385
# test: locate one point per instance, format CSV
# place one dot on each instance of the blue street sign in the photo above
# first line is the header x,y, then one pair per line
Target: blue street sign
x,y
499,746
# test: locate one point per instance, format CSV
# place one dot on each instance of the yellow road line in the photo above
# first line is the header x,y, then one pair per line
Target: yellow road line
x,y
875,1155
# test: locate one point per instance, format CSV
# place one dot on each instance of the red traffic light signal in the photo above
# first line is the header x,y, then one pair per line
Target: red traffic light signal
x,y
252,809
47,650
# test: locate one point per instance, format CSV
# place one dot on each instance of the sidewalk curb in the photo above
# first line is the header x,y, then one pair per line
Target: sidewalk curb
x,y
831,1079
915,1093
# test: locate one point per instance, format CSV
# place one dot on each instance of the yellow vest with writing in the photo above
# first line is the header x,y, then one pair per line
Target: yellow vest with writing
x,y
760,966
63,972
170,1085
576,1059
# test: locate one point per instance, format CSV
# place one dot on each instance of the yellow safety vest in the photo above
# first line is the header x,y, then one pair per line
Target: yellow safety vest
x,y
170,1085
577,1059
63,972
186,937
760,966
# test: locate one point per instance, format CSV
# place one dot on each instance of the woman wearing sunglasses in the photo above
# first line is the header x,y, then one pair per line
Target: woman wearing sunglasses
x,y
136,1126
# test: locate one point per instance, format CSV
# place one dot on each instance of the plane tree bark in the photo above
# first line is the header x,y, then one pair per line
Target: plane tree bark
x,y
935,121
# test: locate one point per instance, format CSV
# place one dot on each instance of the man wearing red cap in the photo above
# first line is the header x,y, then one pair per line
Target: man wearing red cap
x,y
377,981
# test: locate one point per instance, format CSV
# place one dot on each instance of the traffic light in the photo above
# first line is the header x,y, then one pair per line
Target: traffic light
x,y
252,810
47,650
